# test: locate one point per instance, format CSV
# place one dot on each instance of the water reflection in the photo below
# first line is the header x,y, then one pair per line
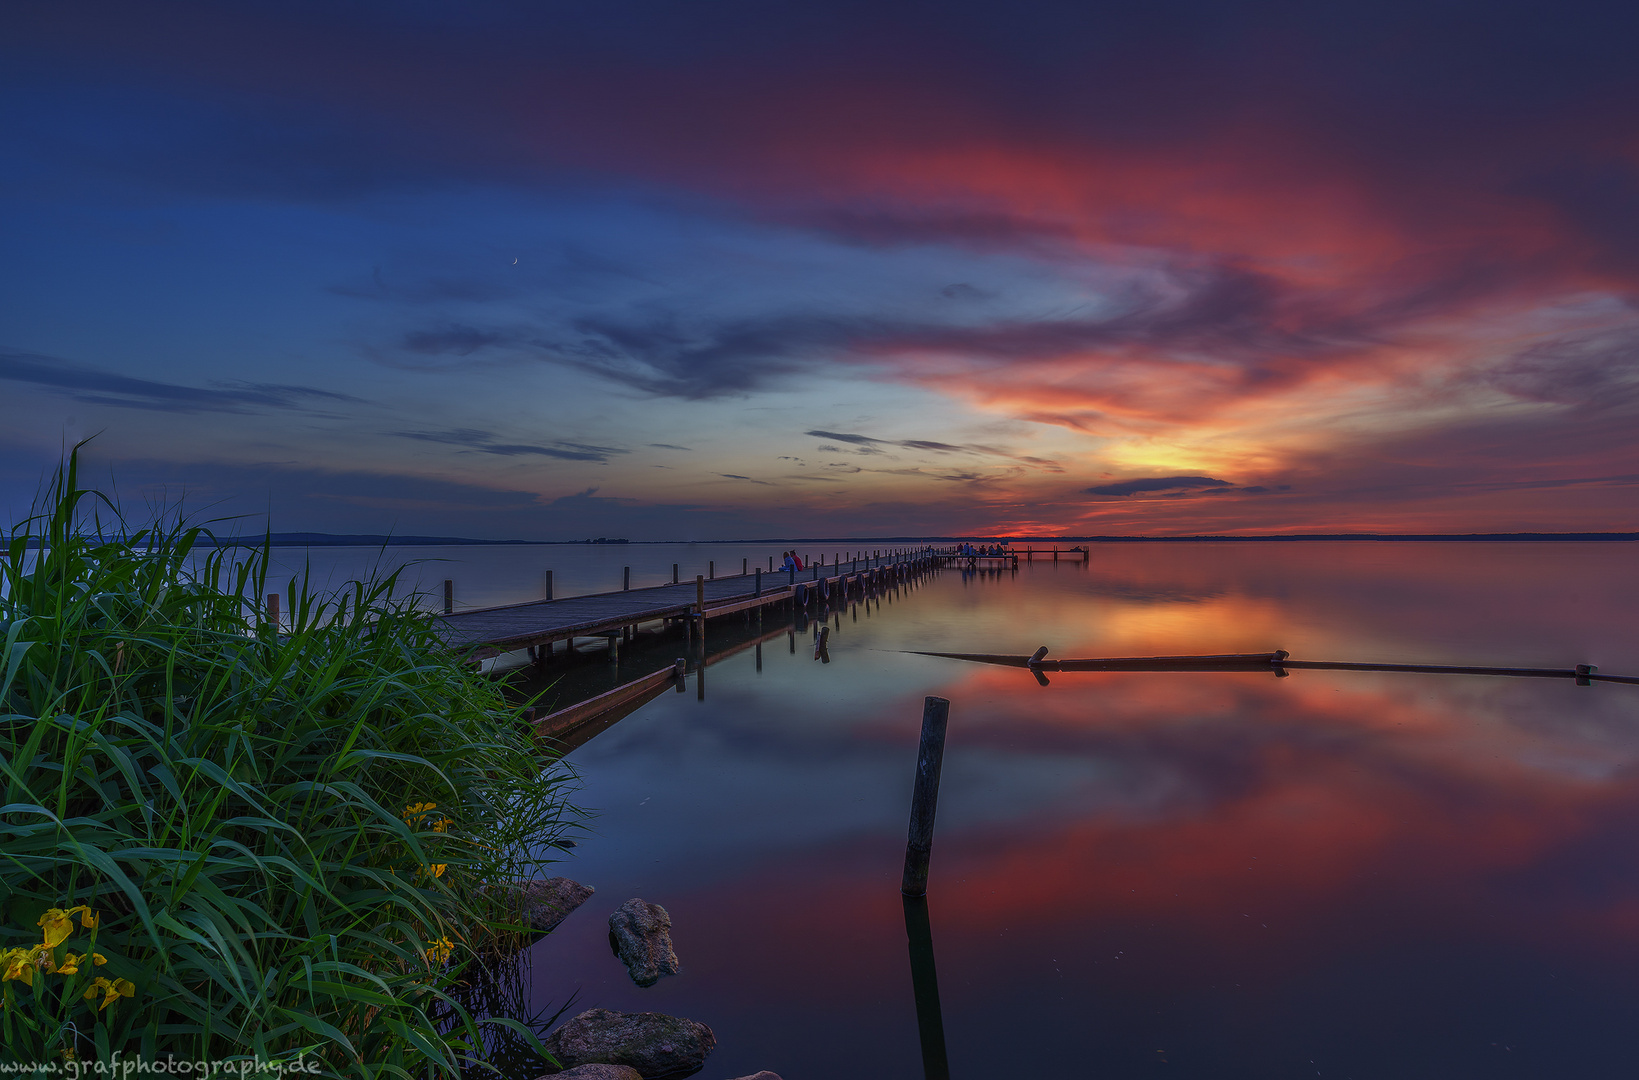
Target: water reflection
x,y
1208,874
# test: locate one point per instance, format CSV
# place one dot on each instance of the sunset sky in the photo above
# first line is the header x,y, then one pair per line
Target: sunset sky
x,y
710,269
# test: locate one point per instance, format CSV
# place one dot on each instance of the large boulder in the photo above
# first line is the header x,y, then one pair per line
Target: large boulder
x,y
641,935
543,904
598,1072
654,1044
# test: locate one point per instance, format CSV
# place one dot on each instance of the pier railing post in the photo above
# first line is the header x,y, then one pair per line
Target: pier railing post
x,y
930,756
711,569
626,580
548,583
700,599
674,573
757,583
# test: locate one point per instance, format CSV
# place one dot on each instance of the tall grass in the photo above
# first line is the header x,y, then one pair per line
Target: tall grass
x,y
281,836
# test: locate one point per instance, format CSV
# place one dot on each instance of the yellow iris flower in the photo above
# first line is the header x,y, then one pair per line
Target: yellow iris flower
x,y
59,923
112,991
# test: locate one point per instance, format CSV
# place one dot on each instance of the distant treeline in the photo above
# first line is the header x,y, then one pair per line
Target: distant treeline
x,y
303,539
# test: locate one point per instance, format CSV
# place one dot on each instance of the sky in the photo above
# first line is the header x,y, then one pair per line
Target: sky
x,y
684,270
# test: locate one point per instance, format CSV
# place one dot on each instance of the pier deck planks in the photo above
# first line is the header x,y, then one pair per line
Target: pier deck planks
x,y
486,632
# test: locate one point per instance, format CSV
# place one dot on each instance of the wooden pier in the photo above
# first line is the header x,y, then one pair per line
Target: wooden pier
x,y
482,633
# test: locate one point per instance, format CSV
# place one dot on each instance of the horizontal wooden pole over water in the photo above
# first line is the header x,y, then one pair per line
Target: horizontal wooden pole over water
x,y
1278,661
575,715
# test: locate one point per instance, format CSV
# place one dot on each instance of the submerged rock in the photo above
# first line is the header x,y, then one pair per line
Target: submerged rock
x,y
597,1072
641,935
654,1044
543,904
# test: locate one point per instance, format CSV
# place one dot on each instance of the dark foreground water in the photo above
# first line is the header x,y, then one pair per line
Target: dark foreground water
x,y
1209,875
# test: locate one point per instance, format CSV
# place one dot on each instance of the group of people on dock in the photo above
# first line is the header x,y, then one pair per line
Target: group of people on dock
x,y
793,561
983,550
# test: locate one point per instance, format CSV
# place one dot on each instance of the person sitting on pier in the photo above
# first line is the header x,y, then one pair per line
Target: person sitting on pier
x,y
789,563
797,559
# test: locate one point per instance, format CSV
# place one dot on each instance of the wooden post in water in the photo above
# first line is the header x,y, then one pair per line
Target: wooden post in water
x,y
626,579
757,583
674,573
744,563
273,610
930,756
711,569
700,603
449,596
548,583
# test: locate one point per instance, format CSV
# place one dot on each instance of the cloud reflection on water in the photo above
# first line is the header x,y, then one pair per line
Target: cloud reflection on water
x,y
1245,871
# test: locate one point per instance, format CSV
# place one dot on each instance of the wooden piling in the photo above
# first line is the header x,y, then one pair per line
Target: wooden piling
x,y
757,583
930,756
711,569
626,579
548,583
743,565
449,596
674,573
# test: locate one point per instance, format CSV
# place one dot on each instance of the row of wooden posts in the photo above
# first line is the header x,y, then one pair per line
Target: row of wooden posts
x,y
746,570
837,558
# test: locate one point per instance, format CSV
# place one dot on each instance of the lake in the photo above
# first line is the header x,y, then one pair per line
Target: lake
x,y
1220,875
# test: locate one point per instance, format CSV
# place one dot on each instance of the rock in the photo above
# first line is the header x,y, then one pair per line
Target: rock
x,y
598,1072
542,905
764,1075
654,1044
641,935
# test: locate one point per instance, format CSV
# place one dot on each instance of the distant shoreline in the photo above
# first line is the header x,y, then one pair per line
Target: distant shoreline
x,y
369,540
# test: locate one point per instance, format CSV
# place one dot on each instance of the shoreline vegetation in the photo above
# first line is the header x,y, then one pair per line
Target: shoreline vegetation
x,y
226,841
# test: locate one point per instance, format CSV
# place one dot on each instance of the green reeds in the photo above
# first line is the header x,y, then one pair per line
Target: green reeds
x,y
284,833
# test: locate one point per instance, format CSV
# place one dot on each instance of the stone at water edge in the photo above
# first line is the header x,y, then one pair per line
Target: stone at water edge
x,y
652,1043
641,934
542,905
596,1072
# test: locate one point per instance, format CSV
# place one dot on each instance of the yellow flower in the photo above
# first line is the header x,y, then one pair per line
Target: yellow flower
x,y
58,923
70,965
111,991
435,869
416,815
99,959
439,951
20,964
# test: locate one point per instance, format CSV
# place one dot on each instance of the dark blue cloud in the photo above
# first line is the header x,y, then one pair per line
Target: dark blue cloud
x,y
1157,483
487,442
100,387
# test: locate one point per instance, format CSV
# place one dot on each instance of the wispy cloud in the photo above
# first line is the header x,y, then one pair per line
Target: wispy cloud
x,y
487,442
101,387
1157,483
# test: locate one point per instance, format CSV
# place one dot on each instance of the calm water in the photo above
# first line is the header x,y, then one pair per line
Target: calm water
x,y
1134,875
